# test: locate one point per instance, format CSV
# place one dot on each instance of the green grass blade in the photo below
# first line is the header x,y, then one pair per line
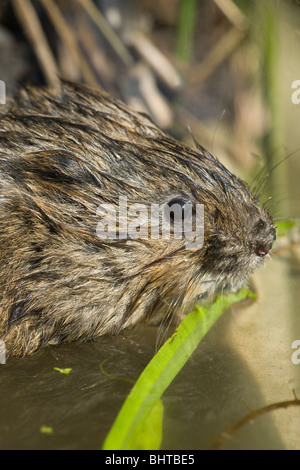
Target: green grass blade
x,y
63,371
148,434
186,30
162,369
284,227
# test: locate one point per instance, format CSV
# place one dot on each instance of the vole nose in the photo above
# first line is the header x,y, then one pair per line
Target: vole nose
x,y
263,250
267,236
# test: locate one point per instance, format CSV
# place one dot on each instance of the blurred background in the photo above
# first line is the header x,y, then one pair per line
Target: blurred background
x,y
223,71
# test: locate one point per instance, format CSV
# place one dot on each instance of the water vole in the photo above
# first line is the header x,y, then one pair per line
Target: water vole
x,y
63,156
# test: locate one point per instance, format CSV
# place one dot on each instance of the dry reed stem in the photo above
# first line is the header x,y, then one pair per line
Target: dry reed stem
x,y
95,14
30,22
68,37
218,54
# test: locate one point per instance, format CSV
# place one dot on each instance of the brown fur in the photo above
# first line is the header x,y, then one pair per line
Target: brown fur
x,y
60,157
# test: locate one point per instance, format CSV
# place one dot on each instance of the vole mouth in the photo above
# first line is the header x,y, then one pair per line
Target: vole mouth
x,y
263,250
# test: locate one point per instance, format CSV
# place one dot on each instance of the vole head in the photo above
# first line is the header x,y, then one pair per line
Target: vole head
x,y
64,157
82,149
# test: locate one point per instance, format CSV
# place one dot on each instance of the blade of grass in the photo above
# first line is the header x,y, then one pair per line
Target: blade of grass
x,y
162,369
148,434
284,227
186,29
269,33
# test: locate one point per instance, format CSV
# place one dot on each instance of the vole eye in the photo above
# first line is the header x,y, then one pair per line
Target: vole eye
x,y
178,200
176,207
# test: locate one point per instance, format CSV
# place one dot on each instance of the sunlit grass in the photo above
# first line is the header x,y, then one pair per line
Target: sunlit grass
x,y
143,409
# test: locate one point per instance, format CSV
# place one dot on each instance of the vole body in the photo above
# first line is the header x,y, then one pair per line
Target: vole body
x,y
63,156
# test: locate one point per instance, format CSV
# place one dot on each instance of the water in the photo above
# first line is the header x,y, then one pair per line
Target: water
x,y
244,362
81,406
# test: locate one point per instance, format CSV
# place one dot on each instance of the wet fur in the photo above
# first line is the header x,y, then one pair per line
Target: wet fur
x,y
60,157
